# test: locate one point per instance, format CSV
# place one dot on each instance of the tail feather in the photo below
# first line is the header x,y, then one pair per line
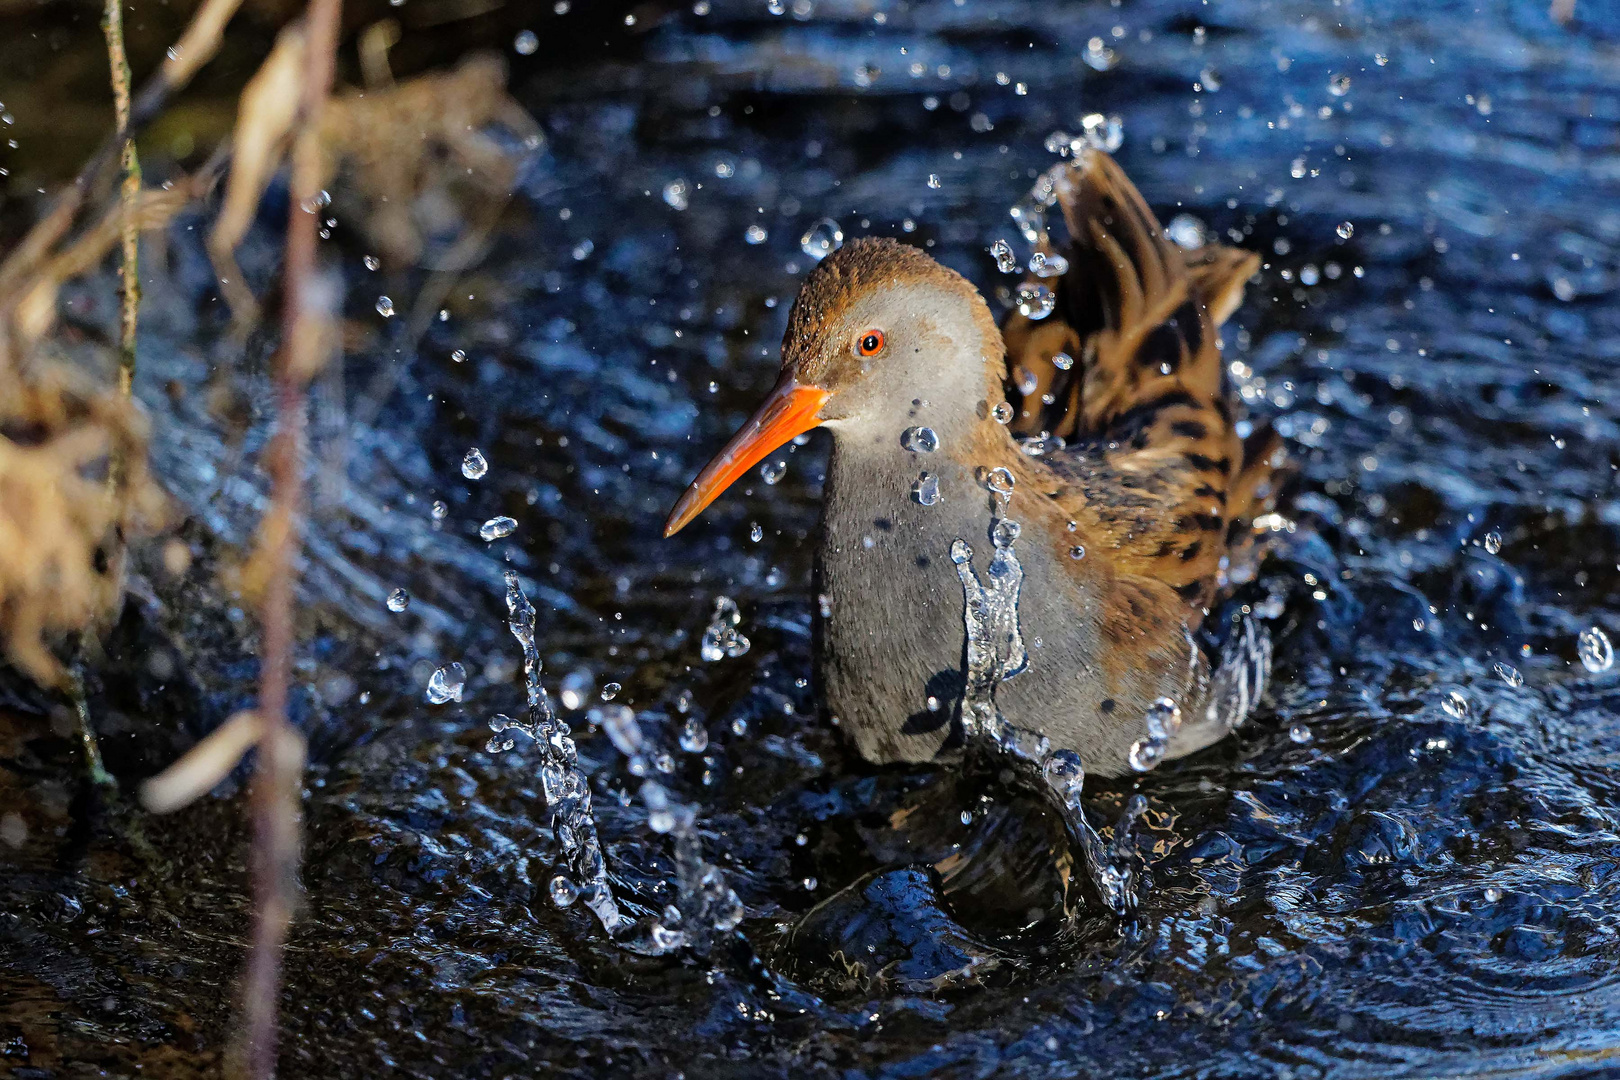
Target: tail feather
x,y
1145,407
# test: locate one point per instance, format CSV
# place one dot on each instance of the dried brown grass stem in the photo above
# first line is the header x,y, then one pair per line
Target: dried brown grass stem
x,y
280,765
129,203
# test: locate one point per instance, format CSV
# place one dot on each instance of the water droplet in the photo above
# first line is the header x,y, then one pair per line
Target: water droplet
x,y
1454,705
1062,361
563,891
677,194
525,43
441,510
694,736
610,691
576,687
1210,78
960,552
755,234
1077,552
473,466
1005,533
385,307
1492,894
772,472
933,180
1098,56
1345,230
1000,481
1300,733
756,533
822,239
399,600
926,489
824,604
446,684
619,722
1035,301
1065,775
1297,170
1596,652
1025,380
660,809
1163,721
1106,133
1187,231
1046,266
729,912
1508,674
497,527
1493,542
919,440
372,262
1339,85
1006,261
721,638
459,356
1002,413
809,884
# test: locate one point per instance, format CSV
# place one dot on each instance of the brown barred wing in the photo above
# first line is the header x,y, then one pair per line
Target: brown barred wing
x,y
1145,410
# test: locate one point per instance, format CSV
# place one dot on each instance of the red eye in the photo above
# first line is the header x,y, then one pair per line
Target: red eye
x,y
871,343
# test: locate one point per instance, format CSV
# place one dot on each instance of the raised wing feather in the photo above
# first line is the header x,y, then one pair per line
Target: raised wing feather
x,y
1151,462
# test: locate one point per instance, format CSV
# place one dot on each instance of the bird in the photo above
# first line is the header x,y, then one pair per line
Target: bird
x,y
1100,416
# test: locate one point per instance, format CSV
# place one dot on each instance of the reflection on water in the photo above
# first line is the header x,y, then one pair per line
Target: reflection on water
x,y
1404,866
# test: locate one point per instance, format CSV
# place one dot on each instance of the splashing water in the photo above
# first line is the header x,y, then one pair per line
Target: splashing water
x,y
1047,264
705,902
722,638
919,440
925,491
822,239
1002,252
996,652
496,528
566,791
1163,721
1035,301
446,684
1597,654
995,646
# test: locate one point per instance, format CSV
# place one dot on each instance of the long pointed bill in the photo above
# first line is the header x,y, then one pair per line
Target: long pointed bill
x,y
790,410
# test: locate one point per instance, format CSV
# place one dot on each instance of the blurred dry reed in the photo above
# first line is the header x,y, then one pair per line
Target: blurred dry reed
x,y
75,485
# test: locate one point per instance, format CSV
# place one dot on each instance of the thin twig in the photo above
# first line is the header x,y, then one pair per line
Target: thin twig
x,y
130,197
87,734
303,338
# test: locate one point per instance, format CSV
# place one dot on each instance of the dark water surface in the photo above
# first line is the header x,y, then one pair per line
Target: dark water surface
x,y
1404,865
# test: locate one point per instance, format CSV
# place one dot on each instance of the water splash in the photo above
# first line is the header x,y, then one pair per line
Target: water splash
x,y
995,652
1597,654
566,791
1163,721
722,638
705,902
446,684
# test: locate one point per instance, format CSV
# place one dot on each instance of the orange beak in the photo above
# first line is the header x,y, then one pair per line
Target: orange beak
x,y
790,410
